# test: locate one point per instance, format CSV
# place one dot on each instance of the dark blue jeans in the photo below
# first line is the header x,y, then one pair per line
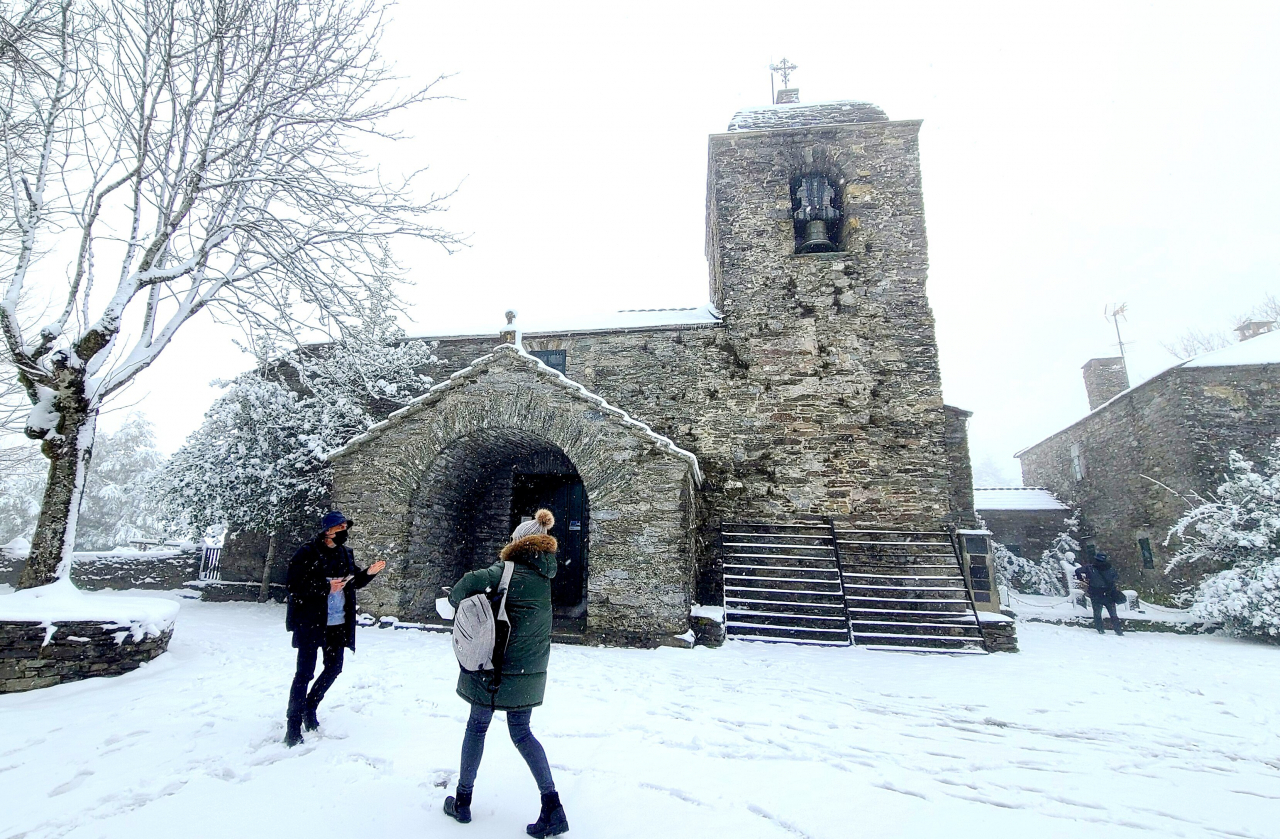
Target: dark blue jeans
x,y
528,746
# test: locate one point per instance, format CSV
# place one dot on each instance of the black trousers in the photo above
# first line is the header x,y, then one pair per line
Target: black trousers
x,y
332,641
1111,610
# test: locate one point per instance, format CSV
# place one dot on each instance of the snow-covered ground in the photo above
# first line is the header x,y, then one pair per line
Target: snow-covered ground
x,y
1079,735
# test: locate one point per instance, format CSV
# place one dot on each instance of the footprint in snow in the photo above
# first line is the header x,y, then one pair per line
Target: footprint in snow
x,y
72,784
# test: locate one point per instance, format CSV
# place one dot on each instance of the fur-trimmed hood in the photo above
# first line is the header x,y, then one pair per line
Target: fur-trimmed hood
x,y
537,552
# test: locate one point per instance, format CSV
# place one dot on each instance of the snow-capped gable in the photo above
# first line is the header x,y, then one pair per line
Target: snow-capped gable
x,y
511,355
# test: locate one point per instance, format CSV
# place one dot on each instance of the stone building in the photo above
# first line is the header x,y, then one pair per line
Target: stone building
x,y
1026,520
807,387
1128,465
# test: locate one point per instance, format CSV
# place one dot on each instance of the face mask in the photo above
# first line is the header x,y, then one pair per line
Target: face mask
x,y
340,538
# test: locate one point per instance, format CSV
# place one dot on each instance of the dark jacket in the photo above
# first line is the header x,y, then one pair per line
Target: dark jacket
x,y
524,670
1101,578
308,585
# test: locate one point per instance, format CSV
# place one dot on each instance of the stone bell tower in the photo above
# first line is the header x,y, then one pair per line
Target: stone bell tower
x,y
817,255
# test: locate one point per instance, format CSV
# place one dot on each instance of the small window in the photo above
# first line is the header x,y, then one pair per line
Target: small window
x,y
1148,558
555,359
1077,462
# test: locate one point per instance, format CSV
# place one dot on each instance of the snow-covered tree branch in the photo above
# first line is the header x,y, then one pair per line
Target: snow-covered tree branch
x,y
163,157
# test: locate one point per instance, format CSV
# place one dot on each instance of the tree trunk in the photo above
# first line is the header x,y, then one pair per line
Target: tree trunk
x,y
265,591
54,542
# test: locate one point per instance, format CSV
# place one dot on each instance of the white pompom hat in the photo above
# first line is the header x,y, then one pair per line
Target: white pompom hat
x,y
541,522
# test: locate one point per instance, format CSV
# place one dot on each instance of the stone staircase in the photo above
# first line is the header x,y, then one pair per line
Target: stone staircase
x,y
782,582
904,591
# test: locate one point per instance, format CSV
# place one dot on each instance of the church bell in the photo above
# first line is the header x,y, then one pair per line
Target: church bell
x,y
813,195
815,238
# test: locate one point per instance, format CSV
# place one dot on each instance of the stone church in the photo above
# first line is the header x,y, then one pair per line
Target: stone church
x,y
807,390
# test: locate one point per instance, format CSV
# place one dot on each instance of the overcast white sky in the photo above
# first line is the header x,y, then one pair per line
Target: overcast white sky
x,y
1091,154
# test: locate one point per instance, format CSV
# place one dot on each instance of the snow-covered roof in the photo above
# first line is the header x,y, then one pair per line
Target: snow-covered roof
x,y
1015,498
1261,349
621,320
805,114
510,353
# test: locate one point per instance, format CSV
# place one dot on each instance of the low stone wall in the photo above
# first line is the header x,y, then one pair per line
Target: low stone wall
x,y
999,632
221,591
33,656
158,570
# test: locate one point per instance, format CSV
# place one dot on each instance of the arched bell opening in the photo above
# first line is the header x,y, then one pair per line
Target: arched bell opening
x,y
470,499
817,207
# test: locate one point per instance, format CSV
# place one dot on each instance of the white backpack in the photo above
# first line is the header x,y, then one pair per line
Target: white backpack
x,y
481,629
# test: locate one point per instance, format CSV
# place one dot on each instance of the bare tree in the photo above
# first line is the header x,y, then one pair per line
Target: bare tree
x,y
1193,342
167,156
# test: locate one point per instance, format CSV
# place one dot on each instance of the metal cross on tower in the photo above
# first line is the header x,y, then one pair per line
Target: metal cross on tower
x,y
784,68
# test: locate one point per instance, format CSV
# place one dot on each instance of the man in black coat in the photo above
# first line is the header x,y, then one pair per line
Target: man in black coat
x,y
1101,578
323,577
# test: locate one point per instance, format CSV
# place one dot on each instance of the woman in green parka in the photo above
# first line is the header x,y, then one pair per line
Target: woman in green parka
x,y
524,668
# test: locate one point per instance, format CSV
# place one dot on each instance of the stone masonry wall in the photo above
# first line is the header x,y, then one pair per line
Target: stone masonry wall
x,y
833,405
960,467
160,570
76,650
641,578
1031,531
1176,429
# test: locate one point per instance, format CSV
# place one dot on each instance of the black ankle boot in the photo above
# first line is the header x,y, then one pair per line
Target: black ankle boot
x,y
552,820
309,720
458,808
293,733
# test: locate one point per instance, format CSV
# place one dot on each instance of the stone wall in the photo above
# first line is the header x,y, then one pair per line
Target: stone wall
x,y
76,650
1030,531
1176,429
160,570
960,467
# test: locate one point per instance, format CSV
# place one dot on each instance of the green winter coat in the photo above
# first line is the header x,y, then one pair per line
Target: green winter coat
x,y
524,671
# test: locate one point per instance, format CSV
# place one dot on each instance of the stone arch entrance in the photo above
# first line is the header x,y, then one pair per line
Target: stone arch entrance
x,y
440,462
475,493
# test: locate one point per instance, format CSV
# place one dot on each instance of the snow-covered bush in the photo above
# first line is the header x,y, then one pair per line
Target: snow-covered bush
x,y
1026,575
1239,529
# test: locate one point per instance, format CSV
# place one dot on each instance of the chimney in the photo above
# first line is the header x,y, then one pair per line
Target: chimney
x,y
787,96
1254,328
1104,378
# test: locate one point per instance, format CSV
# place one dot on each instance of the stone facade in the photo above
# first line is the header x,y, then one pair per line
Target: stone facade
x,y
30,658
1175,429
816,393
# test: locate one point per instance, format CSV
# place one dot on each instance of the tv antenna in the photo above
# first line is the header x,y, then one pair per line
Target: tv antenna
x,y
1114,313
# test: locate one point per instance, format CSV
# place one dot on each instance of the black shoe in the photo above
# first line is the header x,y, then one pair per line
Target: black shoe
x,y
309,720
293,735
458,808
551,821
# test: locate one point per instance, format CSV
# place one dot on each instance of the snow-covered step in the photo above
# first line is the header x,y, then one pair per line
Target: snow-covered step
x,y
783,584
890,648
905,590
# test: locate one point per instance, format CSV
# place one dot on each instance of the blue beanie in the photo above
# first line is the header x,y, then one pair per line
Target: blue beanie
x,y
332,519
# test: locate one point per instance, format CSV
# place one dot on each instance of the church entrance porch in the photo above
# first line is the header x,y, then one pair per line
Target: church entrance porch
x,y
439,486
474,495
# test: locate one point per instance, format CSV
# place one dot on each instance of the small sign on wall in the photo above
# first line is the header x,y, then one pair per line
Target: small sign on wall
x,y
575,525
